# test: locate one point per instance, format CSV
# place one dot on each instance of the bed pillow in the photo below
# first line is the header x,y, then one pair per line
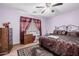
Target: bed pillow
x,y
64,32
59,32
55,32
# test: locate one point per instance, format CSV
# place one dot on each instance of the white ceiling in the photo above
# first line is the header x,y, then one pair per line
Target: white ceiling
x,y
31,7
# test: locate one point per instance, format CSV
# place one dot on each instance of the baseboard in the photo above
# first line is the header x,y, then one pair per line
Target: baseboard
x,y
16,44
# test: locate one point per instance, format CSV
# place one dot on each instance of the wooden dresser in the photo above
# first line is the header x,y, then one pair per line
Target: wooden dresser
x,y
5,40
28,38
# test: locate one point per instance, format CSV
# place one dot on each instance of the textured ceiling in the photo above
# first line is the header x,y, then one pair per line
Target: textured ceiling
x,y
31,7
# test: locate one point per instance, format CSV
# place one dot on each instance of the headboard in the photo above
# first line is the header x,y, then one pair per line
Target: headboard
x,y
62,27
72,28
68,28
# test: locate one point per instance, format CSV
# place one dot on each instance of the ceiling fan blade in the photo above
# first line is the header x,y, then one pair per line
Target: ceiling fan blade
x,y
40,7
57,4
43,11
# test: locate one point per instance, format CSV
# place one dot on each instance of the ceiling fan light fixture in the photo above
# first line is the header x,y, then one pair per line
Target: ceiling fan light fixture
x,y
48,4
52,10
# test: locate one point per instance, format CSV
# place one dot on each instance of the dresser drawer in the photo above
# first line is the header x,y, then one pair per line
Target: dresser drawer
x,y
28,38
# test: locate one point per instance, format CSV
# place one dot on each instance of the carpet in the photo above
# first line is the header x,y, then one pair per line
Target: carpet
x,y
35,50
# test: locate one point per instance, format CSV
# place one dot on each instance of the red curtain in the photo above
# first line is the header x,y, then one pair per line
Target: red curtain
x,y
38,24
25,22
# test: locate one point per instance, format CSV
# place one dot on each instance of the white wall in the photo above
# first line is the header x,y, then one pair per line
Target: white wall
x,y
64,19
13,16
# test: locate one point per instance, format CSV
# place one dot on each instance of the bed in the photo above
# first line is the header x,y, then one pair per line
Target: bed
x,y
64,42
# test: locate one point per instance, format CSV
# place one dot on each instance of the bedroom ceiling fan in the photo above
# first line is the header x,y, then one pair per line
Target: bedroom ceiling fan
x,y
47,6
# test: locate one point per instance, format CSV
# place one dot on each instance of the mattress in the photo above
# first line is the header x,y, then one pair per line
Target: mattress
x,y
70,39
